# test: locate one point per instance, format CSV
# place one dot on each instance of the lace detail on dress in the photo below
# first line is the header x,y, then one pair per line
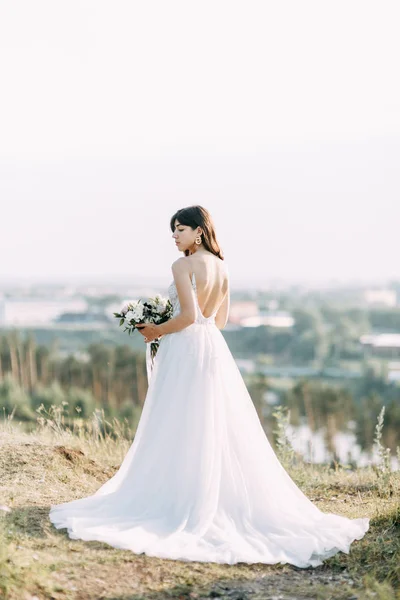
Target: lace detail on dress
x,y
173,296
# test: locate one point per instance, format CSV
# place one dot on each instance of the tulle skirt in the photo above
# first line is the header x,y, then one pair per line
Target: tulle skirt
x,y
201,481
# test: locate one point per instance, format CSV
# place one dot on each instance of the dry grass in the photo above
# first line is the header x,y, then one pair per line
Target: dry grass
x,y
52,465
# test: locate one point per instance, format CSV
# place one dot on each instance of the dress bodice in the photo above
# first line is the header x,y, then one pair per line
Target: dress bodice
x,y
200,318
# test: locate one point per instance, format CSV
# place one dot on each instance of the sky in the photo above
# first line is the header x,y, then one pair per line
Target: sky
x,y
280,117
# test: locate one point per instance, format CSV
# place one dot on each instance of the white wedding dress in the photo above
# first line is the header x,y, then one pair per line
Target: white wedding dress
x,y
201,481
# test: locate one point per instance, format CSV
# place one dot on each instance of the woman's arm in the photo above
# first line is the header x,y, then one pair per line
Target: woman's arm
x,y
187,315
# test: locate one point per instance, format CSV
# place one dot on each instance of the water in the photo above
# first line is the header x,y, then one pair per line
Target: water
x,y
312,446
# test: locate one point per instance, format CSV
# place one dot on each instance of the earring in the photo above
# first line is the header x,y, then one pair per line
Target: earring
x,y
197,240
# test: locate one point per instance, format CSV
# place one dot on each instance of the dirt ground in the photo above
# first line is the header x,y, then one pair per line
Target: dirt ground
x,y
38,562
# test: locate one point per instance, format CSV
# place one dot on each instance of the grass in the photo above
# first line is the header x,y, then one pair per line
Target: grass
x,y
53,464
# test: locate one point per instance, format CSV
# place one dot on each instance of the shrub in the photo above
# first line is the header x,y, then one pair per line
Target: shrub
x,y
14,400
81,403
48,396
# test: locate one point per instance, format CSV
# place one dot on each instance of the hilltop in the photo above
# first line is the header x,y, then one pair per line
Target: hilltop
x,y
49,466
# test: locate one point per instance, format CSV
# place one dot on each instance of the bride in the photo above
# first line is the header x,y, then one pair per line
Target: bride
x,y
201,481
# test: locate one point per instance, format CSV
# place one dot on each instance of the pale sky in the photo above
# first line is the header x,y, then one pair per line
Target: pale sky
x,y
280,117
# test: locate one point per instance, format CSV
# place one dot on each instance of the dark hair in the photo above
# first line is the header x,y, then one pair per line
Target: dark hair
x,y
197,216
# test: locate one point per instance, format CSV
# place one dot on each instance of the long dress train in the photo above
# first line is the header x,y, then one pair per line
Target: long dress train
x,y
201,481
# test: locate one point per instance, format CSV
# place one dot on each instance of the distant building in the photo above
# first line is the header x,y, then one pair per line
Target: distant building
x,y
247,314
384,344
39,311
242,309
279,319
381,297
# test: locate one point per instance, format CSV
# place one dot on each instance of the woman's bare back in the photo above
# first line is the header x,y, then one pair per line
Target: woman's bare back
x,y
211,278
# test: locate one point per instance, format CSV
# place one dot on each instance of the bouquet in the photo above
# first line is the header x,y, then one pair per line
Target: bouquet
x,y
153,310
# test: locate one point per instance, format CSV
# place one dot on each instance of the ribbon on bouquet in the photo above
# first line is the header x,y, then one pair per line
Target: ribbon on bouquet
x,y
149,359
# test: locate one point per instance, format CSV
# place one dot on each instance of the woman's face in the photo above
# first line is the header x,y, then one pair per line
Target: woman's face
x,y
184,236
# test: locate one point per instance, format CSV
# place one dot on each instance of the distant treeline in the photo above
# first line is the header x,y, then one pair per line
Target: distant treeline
x,y
90,369
110,377
114,378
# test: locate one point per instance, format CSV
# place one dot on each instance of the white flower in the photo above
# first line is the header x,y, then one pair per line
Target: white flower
x,y
124,309
129,316
138,312
160,304
161,308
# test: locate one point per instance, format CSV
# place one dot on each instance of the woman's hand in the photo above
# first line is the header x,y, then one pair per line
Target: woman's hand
x,y
149,331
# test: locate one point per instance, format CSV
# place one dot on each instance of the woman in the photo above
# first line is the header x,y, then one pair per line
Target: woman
x,y
201,481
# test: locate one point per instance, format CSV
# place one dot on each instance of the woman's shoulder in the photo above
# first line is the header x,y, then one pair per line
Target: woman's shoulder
x,y
188,263
180,267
